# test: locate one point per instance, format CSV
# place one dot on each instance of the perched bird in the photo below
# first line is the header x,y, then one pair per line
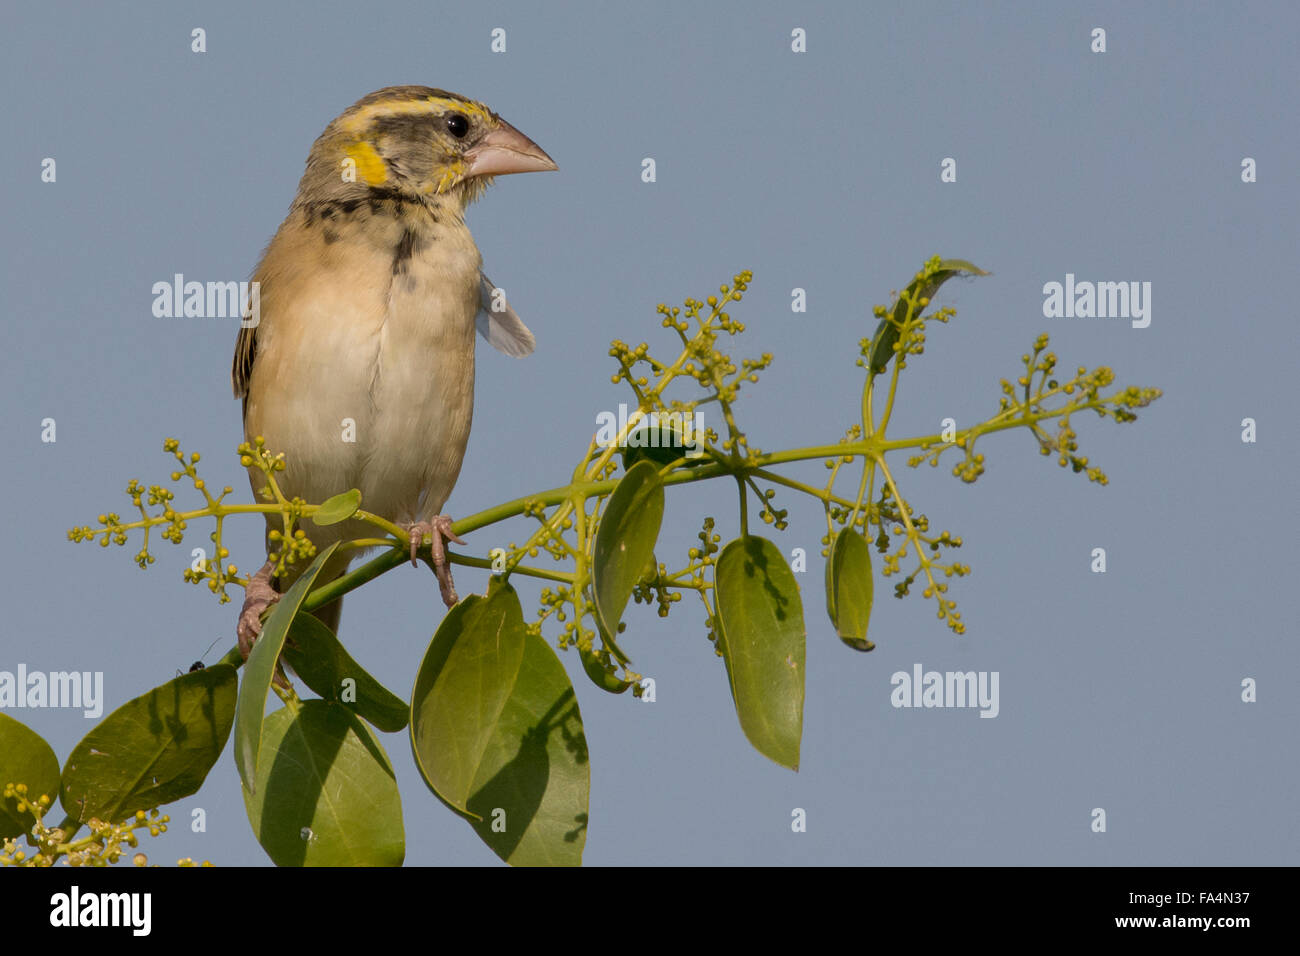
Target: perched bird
x,y
359,367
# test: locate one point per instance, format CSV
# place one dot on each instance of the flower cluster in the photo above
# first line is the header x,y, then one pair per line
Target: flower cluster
x,y
106,843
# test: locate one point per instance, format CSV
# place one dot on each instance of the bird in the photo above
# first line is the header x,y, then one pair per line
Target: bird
x,y
357,364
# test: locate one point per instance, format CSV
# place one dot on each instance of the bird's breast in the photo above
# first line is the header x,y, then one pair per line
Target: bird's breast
x,y
364,375
423,387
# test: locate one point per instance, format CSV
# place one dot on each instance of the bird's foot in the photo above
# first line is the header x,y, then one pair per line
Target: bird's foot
x,y
437,529
258,596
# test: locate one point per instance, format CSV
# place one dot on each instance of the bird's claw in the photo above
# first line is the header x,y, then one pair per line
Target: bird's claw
x,y
437,529
258,596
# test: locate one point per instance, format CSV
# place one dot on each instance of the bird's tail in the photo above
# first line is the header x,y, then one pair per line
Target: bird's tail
x,y
334,569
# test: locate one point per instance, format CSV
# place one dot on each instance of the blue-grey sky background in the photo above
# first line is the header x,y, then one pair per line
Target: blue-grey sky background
x,y
817,170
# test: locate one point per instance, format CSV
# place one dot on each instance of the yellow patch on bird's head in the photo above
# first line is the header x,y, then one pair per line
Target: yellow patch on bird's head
x,y
451,175
370,165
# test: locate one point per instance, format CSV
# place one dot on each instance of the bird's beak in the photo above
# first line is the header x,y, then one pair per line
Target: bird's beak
x,y
506,150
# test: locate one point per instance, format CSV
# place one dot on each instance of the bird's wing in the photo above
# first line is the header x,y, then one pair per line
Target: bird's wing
x,y
241,369
504,330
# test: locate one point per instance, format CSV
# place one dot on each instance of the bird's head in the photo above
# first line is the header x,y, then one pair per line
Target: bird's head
x,y
423,143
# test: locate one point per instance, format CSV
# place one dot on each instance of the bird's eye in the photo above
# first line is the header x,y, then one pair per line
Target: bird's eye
x,y
457,125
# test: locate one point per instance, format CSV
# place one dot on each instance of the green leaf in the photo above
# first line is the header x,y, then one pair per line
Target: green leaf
x,y
152,750
760,618
661,446
315,654
25,758
260,670
601,676
889,329
339,508
326,794
849,587
497,734
624,544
